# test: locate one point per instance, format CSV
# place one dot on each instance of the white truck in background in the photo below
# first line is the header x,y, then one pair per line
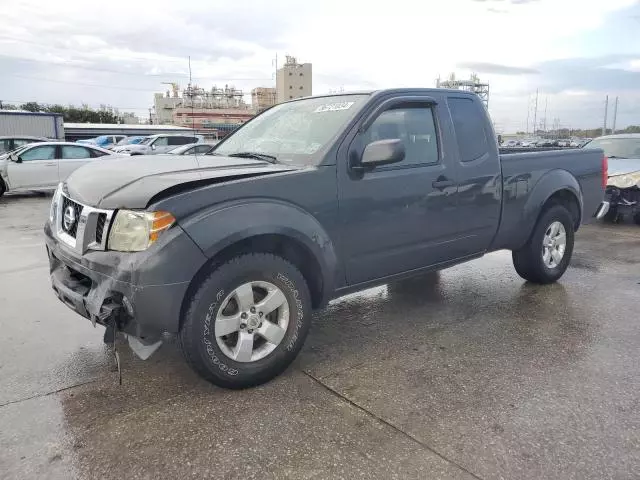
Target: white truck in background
x,y
15,123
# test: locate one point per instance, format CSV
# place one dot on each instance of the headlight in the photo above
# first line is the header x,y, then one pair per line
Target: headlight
x,y
134,231
625,181
54,203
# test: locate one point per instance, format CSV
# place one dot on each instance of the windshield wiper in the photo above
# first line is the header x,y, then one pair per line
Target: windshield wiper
x,y
256,155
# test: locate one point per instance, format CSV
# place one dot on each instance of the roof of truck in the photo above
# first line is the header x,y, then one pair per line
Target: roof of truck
x,y
386,91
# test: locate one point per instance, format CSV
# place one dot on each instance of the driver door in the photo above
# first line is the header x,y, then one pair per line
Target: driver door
x,y
36,167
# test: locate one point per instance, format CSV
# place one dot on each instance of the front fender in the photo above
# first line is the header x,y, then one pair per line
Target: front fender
x,y
216,228
550,183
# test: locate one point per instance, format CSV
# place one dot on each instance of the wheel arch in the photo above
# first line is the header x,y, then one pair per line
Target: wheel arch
x,y
265,226
555,187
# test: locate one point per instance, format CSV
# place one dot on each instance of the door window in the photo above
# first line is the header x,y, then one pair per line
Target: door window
x,y
181,140
468,121
415,126
161,142
46,152
73,152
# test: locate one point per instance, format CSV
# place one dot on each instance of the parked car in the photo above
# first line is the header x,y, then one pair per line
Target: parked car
x,y
528,143
511,143
41,166
563,142
7,144
310,200
103,141
622,196
127,141
159,144
193,149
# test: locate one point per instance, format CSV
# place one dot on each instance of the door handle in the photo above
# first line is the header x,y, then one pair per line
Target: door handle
x,y
443,183
50,164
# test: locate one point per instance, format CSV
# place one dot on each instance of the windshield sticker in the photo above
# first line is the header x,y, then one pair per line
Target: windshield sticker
x,y
333,107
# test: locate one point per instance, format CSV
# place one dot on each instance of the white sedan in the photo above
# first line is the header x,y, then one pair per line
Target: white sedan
x,y
41,166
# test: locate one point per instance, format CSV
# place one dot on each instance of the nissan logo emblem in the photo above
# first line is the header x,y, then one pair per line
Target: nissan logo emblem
x,y
69,218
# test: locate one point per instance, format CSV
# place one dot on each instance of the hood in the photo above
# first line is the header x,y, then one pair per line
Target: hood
x,y
131,182
622,166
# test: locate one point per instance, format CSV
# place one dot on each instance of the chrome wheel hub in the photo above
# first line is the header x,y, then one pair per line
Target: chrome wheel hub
x,y
554,245
252,321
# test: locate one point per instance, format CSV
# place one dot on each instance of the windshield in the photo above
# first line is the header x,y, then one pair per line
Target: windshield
x,y
617,147
146,141
128,140
296,132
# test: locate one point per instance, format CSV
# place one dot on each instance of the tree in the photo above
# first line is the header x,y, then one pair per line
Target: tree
x,y
31,107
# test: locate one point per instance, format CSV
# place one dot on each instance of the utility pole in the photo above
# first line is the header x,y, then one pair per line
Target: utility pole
x,y
546,101
606,111
528,112
615,116
535,115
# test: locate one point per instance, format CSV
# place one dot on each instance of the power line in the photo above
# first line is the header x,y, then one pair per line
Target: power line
x,y
51,80
119,72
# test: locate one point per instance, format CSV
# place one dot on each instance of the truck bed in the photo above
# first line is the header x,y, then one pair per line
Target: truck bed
x,y
524,174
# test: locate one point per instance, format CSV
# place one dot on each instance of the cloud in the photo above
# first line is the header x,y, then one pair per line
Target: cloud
x,y
496,68
74,51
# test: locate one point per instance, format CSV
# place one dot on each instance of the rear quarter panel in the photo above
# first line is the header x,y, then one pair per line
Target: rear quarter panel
x,y
531,178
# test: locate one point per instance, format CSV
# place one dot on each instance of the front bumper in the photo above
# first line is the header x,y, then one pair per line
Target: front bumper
x,y
141,292
625,201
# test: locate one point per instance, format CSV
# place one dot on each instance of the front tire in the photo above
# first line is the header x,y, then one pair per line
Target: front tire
x,y
247,321
546,255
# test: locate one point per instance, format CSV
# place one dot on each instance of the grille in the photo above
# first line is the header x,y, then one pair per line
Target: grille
x,y
102,220
77,209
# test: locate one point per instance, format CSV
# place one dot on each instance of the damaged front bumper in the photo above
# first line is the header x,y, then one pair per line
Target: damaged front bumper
x,y
622,201
140,294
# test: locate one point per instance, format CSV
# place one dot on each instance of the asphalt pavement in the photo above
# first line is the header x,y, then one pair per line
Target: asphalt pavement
x,y
466,374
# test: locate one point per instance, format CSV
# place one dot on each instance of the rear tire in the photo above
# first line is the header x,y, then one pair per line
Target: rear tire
x,y
231,300
636,218
546,255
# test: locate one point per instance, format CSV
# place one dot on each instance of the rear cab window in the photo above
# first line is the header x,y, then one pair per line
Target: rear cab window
x,y
469,123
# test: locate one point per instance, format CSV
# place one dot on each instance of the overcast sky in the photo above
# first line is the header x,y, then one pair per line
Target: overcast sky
x,y
574,51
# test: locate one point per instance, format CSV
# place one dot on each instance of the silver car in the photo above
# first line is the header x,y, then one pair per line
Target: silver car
x,y
193,149
41,166
158,144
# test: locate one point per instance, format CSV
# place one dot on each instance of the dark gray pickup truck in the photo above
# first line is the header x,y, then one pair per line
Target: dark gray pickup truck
x,y
310,200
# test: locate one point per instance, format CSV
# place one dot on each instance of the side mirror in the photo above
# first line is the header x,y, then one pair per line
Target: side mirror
x,y
15,158
382,152
153,147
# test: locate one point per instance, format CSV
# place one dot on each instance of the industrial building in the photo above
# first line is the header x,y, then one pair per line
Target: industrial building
x,y
219,110
293,80
263,98
472,85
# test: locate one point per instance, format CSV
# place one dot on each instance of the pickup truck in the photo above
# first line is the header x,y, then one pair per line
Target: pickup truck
x,y
310,200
